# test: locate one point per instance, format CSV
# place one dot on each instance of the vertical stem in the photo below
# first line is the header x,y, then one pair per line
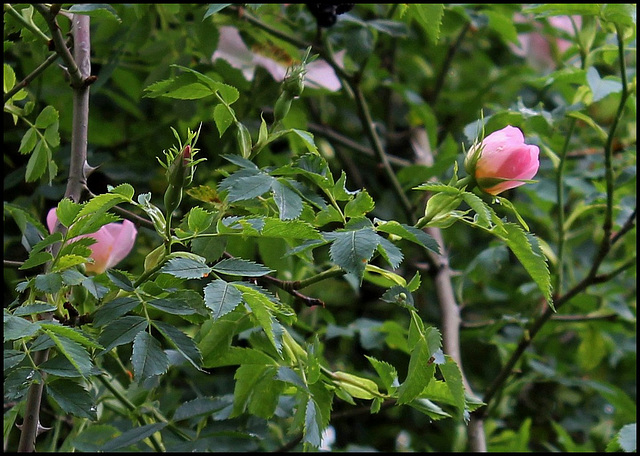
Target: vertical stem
x,y
75,185
80,127
560,197
367,121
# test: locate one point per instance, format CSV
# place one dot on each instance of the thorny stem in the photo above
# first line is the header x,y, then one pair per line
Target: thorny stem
x,y
75,183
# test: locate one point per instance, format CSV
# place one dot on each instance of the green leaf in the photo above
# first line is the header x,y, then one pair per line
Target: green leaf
x,y
269,227
246,377
356,386
526,249
261,307
601,87
429,16
398,295
49,283
116,308
223,117
351,250
125,190
38,161
228,93
307,139
453,380
102,11
430,409
172,306
199,219
240,267
480,208
386,372
199,407
120,280
408,232
563,9
132,436
246,185
360,205
186,268
181,342
390,252
147,358
421,370
312,425
121,331
181,87
626,438
215,8
288,201
48,116
15,327
12,358
33,309
623,15
68,261
503,25
60,366
71,333
36,259
221,297
67,211
100,204
93,437
73,351
28,141
73,398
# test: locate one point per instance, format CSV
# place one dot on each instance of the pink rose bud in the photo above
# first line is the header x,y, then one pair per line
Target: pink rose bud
x,y
114,242
186,155
504,161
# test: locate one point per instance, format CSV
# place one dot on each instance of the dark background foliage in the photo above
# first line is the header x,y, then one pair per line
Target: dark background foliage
x,y
574,387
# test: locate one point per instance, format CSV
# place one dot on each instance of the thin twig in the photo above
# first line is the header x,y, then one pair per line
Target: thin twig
x,y
80,25
34,74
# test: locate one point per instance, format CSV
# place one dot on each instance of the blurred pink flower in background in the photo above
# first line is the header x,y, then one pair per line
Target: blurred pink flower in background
x,y
504,161
537,47
114,242
232,49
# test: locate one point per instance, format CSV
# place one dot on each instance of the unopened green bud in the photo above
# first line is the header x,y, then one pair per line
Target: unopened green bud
x,y
471,159
243,137
283,104
172,199
294,84
179,169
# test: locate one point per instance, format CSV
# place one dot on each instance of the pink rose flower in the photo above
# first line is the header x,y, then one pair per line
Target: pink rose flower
x,y
232,49
505,160
114,241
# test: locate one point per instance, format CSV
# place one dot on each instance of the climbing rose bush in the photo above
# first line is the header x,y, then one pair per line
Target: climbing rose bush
x,y
503,161
114,242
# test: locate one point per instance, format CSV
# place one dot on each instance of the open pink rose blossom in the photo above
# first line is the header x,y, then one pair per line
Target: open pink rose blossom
x,y
114,241
505,161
